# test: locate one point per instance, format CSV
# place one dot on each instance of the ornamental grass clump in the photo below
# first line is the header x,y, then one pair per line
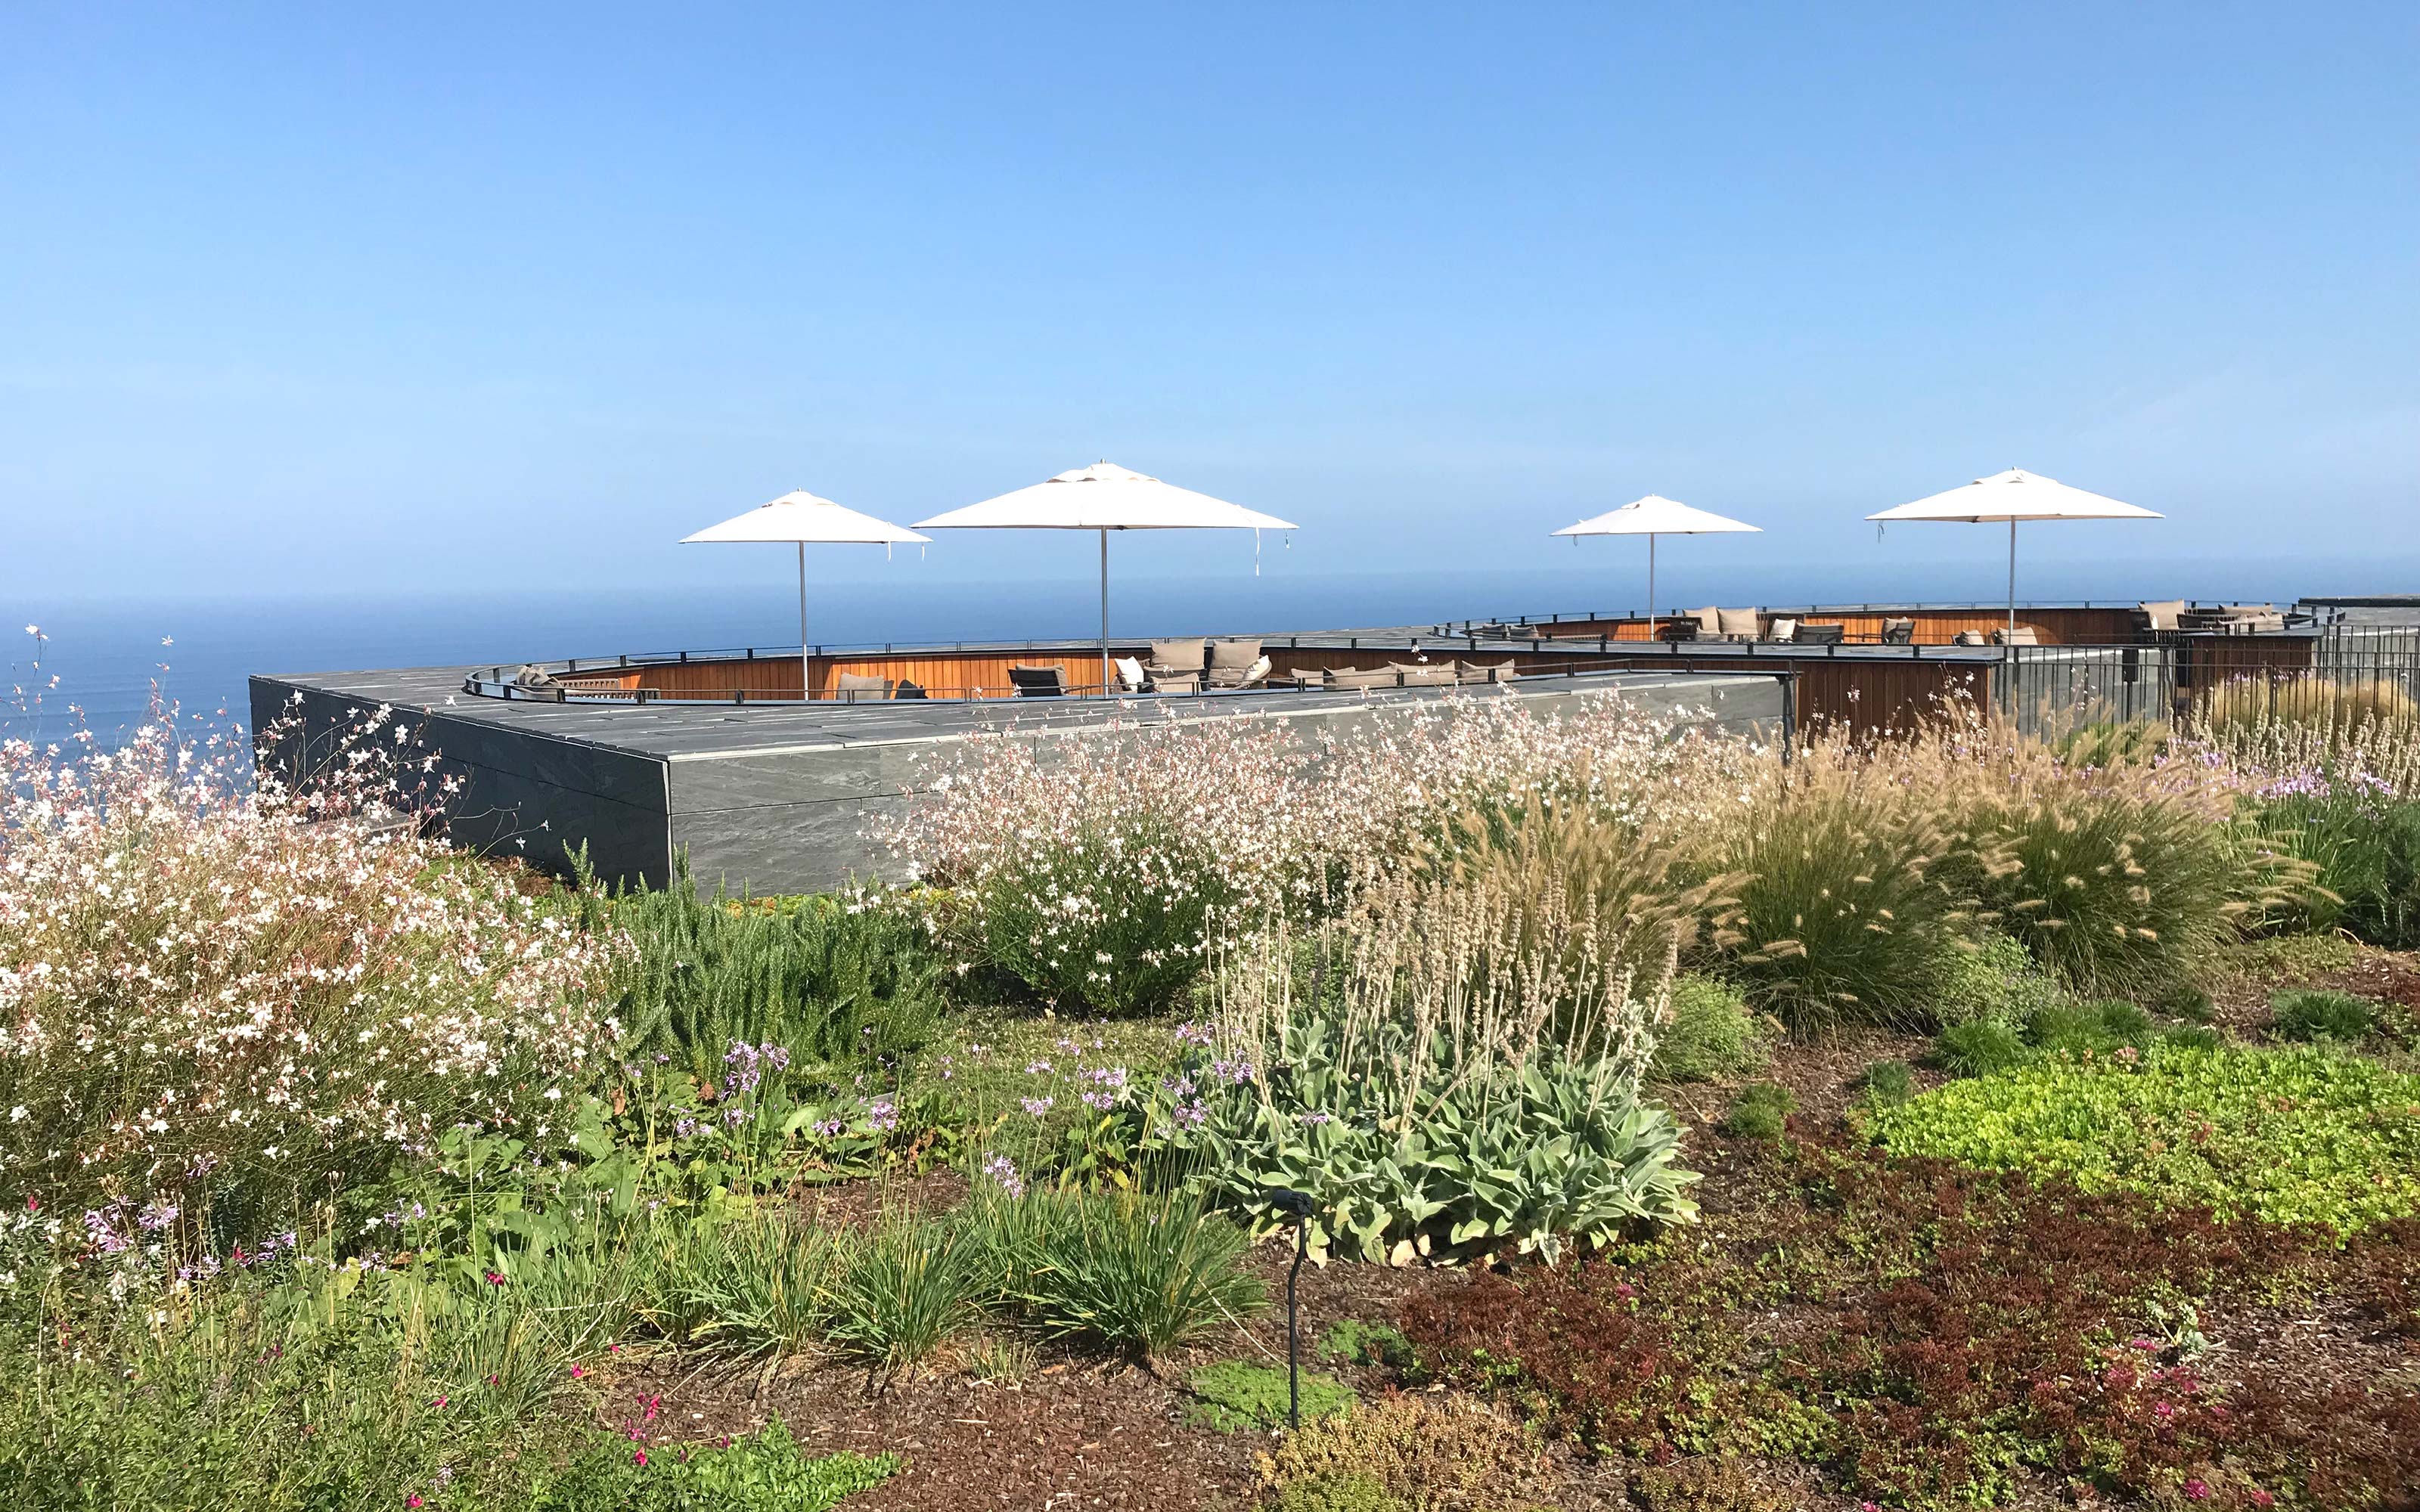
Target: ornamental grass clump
x,y
2313,701
1839,915
222,1012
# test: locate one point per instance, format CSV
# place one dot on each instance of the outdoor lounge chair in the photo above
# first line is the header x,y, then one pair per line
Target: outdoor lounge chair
x,y
1230,661
1899,632
908,691
2022,636
1783,631
1177,658
1821,634
1969,638
1422,673
2160,615
1738,623
859,688
1684,629
1475,671
1350,677
1038,682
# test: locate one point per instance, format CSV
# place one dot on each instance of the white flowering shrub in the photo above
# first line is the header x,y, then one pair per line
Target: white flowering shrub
x,y
1104,871
221,1011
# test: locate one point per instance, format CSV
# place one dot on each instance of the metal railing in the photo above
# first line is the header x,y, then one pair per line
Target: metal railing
x,y
2339,674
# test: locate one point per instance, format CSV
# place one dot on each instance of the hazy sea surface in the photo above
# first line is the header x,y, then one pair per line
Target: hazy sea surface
x,y
107,657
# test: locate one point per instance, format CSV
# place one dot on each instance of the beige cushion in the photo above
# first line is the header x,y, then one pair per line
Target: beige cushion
x,y
2162,612
1473,672
1176,682
2022,636
1737,621
1358,677
1710,620
1785,629
1233,654
861,683
1971,638
1239,676
1183,655
1422,673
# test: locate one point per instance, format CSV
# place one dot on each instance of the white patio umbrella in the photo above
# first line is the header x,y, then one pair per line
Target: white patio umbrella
x,y
1103,497
2012,496
803,518
1652,516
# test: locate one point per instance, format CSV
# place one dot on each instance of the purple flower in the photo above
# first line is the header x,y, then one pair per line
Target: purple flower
x,y
1001,1170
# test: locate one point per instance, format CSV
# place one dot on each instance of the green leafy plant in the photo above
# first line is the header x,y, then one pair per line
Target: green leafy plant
x,y
1522,1151
1234,1397
1978,1048
1888,1082
1410,1454
768,1472
1996,979
1713,1033
2316,1014
910,1288
1142,1274
2290,1137
2091,1028
1760,1111
1351,1341
2297,958
832,981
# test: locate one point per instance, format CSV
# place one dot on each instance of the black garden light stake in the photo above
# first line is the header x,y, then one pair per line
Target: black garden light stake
x,y
1296,1206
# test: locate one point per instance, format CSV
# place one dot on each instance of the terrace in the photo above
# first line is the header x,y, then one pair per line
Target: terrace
x,y
763,764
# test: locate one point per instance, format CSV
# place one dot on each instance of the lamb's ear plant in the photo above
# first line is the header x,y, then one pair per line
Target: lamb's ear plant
x,y
1455,1069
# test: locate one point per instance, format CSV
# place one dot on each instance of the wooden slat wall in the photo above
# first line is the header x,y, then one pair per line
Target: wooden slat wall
x,y
966,674
1934,626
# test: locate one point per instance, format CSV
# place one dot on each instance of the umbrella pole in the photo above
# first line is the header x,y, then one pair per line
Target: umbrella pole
x,y
2012,582
806,687
1650,585
1104,613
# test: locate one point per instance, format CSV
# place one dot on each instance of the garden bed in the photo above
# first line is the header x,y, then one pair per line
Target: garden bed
x,y
1669,1128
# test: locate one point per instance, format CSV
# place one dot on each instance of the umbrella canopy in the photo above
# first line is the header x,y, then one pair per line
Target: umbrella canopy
x,y
1652,516
2012,496
801,516
803,519
1104,498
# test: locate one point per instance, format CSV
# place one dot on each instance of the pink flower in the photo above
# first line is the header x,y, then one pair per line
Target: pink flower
x,y
578,1371
2261,1498
2162,1410
637,1456
440,1401
2196,1491
413,1500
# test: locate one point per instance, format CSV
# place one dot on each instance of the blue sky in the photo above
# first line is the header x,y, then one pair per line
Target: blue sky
x,y
510,295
